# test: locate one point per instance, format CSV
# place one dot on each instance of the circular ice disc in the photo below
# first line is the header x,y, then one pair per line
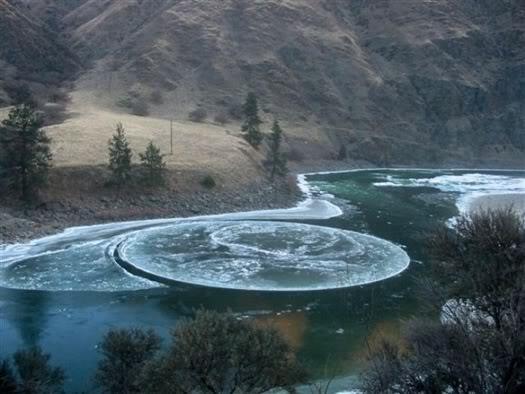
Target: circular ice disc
x,y
267,256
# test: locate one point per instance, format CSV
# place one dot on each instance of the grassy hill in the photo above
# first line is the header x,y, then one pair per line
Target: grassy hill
x,y
406,81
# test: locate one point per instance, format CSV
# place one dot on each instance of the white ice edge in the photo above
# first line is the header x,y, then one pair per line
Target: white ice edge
x,y
466,197
404,264
310,208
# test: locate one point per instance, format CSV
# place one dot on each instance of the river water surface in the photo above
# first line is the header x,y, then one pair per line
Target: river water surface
x,y
330,273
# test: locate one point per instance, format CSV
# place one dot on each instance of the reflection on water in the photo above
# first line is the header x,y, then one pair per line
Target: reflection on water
x,y
28,312
329,328
292,325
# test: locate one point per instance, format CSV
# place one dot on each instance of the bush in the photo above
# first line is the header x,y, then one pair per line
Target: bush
x,y
58,96
482,261
198,115
213,353
217,353
135,104
8,383
221,118
236,111
478,346
139,107
124,355
208,182
54,113
35,374
156,97
342,154
20,93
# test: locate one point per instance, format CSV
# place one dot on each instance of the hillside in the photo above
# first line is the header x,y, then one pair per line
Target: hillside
x,y
31,53
405,81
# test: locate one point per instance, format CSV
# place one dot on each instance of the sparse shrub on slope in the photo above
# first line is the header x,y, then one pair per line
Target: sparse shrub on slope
x,y
198,115
221,118
135,104
208,182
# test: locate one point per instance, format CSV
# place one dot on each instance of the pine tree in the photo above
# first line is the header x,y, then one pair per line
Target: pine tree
x,y
120,156
26,155
276,160
153,165
252,121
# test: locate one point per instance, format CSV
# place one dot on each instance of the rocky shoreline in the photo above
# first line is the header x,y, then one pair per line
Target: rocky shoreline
x,y
19,224
69,202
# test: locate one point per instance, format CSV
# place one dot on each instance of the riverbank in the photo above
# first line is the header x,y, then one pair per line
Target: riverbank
x,y
79,196
499,201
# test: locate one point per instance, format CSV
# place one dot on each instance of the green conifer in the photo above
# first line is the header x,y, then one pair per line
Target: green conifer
x,y
276,160
25,153
251,124
120,156
153,165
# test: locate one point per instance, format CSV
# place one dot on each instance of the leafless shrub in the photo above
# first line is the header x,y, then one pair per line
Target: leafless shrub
x,y
156,97
198,115
235,111
221,118
478,346
218,353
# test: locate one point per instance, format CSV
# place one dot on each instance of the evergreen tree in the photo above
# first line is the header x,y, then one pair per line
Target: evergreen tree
x,y
276,160
25,151
252,121
153,164
120,156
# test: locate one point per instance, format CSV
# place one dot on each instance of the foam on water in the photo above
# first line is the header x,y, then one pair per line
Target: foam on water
x,y
468,186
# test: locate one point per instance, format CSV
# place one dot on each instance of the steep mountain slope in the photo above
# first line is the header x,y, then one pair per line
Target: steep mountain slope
x,y
30,52
392,80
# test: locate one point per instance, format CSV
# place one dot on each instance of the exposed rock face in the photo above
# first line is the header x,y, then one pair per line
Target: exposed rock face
x,y
394,80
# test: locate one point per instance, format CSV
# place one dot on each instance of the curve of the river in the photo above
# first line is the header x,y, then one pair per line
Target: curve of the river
x,y
235,253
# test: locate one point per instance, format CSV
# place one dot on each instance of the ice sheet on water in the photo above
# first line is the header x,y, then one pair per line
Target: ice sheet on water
x,y
81,268
76,259
269,256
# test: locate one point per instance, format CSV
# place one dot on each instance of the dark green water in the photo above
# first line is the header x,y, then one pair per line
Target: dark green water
x,y
328,328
